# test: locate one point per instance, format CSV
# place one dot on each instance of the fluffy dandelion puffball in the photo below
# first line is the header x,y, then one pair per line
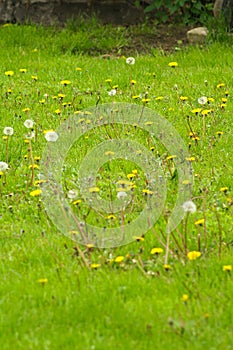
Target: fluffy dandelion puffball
x,y
28,123
51,136
130,60
8,130
3,166
189,207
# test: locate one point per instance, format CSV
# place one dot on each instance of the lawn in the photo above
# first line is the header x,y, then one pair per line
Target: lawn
x,y
89,142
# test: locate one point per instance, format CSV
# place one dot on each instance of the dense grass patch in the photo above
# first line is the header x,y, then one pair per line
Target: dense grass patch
x,y
59,294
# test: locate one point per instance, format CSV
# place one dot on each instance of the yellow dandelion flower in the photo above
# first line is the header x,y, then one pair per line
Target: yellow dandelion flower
x,y
90,246
185,182
95,266
42,280
109,153
57,111
156,251
79,69
173,64
61,95
134,171
206,111
26,109
193,255
108,80
167,267
147,192
146,100
131,176
200,222
171,157
23,70
111,217
159,98
184,297
210,99
224,189
196,110
9,73
219,133
139,238
78,201
220,85
227,268
35,193
148,123
133,82
34,166
191,159
224,100
135,97
34,77
65,82
183,98
119,259
94,189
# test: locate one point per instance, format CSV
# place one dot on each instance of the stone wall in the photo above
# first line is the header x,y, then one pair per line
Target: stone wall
x,y
58,11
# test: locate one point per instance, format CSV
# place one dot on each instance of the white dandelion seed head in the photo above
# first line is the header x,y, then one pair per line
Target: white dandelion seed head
x,y
202,100
121,195
30,135
189,207
28,123
51,136
130,60
8,130
3,166
112,92
72,194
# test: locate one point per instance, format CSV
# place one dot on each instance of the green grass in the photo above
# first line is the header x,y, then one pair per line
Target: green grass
x,y
49,298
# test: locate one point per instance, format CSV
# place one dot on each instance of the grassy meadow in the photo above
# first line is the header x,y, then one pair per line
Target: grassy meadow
x,y
155,292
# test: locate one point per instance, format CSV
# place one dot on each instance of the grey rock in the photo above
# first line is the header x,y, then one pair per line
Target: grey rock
x,y
197,35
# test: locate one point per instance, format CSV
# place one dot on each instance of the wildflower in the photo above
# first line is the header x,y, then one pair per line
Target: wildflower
x,y
183,98
210,99
206,111
109,153
171,157
220,85
191,159
156,251
159,98
130,60
139,239
146,100
42,280
147,192
78,201
135,97
121,195
35,193
227,268
119,259
23,70
224,100
78,69
26,109
28,123
193,255
112,92
196,110
173,64
34,77
131,176
111,217
8,131
34,166
57,111
51,136
95,266
3,166
224,189
42,101
202,100
133,82
167,267
184,297
90,246
9,73
65,82
29,136
200,222
189,207
72,194
219,133
94,189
